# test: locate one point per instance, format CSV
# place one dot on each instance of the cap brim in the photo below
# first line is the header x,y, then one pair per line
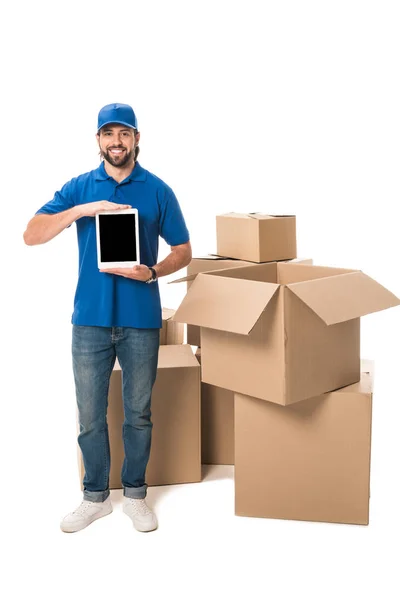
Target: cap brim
x,y
116,123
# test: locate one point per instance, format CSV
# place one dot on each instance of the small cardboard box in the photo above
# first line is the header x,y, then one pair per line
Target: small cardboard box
x,y
256,237
171,332
213,262
281,332
309,461
175,455
217,417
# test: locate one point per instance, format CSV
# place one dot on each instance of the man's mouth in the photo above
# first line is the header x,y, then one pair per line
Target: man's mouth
x,y
116,151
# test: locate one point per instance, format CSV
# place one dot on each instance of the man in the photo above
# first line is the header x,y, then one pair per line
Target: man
x,y
117,312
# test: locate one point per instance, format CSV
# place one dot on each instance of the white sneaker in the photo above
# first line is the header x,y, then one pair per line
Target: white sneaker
x,y
143,518
85,514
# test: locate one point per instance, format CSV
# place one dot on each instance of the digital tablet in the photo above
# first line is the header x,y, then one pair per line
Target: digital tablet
x,y
117,233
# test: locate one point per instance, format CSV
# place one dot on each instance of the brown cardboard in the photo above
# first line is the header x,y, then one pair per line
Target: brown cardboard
x,y
309,461
281,332
175,455
200,265
217,424
256,237
213,262
171,332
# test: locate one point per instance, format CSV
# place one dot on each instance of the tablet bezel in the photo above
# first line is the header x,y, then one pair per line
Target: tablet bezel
x,y
119,264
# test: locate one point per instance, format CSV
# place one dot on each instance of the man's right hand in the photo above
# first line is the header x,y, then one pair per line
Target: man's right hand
x,y
42,228
92,208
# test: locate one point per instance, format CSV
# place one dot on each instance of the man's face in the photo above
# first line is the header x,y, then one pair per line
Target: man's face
x,y
117,144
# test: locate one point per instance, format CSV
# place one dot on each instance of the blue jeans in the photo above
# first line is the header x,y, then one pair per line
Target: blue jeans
x,y
94,350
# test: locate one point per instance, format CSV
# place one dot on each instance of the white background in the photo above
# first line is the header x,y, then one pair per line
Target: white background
x,y
275,106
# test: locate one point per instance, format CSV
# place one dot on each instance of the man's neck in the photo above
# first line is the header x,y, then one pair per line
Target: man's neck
x,y
119,173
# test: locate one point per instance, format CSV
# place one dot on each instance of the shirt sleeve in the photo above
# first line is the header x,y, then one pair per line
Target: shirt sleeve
x,y
172,223
63,200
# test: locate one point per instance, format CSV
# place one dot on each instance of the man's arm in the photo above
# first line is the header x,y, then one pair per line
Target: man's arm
x,y
43,228
179,257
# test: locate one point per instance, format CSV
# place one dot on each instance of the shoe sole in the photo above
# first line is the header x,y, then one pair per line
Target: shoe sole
x,y
74,529
140,528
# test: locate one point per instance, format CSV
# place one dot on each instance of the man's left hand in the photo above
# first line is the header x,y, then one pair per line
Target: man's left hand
x,y
139,272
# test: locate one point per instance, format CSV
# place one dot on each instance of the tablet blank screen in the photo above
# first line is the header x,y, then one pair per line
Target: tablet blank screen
x,y
117,237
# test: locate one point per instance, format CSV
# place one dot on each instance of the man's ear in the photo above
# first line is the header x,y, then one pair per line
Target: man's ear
x,y
137,137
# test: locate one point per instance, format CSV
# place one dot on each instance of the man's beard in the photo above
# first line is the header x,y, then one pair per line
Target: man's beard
x,y
118,161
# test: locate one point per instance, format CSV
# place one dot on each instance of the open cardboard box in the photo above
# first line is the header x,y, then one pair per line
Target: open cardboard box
x,y
213,262
281,332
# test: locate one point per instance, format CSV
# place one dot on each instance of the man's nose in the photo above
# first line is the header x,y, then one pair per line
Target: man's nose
x,y
116,139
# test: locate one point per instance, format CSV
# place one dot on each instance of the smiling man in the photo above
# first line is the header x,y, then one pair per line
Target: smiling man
x,y
117,312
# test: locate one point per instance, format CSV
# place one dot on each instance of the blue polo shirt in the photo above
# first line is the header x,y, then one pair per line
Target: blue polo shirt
x,y
108,300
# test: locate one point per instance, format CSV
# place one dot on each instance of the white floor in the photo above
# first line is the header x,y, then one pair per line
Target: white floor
x,y
200,550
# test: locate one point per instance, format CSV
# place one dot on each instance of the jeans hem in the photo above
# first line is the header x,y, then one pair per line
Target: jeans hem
x,y
96,496
139,493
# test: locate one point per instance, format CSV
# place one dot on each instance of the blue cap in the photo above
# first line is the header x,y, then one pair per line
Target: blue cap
x,y
117,113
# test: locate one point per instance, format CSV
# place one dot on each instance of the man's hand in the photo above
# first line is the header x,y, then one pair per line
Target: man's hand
x,y
139,272
92,208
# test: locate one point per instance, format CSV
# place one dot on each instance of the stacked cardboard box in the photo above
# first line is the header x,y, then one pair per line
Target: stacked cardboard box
x,y
175,455
282,332
256,237
171,332
285,339
308,461
216,402
217,423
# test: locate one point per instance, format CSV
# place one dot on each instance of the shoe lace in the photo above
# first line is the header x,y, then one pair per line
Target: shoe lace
x,y
82,508
139,506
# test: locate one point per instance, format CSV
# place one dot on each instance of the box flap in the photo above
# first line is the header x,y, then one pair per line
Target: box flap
x,y
225,303
177,356
343,297
261,216
172,357
187,278
167,313
211,257
254,215
226,271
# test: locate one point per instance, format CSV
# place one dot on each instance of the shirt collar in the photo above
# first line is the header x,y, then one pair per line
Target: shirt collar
x,y
138,173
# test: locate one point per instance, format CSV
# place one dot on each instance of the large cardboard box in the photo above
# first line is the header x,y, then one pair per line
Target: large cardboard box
x,y
217,424
281,332
309,461
176,446
213,262
256,237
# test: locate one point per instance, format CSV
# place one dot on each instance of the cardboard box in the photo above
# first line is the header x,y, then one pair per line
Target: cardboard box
x,y
309,461
281,332
201,265
217,424
213,262
175,449
256,237
171,332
